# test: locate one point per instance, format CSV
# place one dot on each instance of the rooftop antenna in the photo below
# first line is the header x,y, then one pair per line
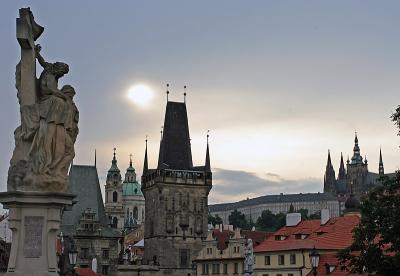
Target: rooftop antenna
x,y
184,94
167,91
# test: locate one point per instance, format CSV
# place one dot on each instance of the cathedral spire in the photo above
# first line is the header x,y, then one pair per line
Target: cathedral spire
x,y
357,158
207,167
329,177
145,163
381,169
342,170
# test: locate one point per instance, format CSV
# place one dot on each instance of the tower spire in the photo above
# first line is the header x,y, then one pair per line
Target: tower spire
x,y
95,158
330,176
342,170
381,169
145,163
207,167
130,160
357,158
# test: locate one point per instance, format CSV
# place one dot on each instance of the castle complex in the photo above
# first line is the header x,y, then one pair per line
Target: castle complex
x,y
176,194
354,178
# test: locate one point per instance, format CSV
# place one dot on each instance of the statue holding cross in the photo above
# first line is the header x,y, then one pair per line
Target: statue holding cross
x,y
44,142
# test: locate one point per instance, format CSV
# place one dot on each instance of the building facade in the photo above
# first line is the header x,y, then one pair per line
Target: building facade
x,y
253,208
287,251
223,251
354,178
87,226
176,194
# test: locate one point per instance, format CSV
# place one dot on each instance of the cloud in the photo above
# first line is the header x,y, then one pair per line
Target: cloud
x,y
234,185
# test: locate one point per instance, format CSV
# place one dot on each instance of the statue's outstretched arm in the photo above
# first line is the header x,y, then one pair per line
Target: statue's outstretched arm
x,y
39,57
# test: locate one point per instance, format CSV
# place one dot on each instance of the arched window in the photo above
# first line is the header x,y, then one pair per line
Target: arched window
x,y
135,212
115,196
115,222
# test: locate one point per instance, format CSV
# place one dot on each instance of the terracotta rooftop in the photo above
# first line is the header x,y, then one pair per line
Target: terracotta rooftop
x,y
337,233
85,272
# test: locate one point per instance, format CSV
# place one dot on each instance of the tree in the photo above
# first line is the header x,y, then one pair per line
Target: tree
x,y
238,220
376,244
270,222
214,220
376,240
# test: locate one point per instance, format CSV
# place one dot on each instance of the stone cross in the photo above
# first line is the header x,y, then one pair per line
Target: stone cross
x,y
27,32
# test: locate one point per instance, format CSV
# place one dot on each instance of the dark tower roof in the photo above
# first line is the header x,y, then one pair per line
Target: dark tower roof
x,y
342,170
329,177
175,151
84,183
381,169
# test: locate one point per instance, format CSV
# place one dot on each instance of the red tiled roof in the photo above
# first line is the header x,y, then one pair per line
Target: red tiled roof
x,y
337,233
222,238
85,272
331,260
256,236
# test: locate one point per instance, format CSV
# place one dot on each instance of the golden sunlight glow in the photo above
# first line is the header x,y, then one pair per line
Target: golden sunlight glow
x,y
140,94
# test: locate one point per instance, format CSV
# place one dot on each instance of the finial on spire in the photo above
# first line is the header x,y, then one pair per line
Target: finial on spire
x,y
184,94
95,158
130,159
208,135
162,131
114,152
167,91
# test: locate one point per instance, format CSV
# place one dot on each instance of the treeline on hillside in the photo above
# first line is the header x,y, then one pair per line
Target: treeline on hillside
x,y
268,221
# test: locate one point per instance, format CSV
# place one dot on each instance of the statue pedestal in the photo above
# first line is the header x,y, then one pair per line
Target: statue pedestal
x,y
34,219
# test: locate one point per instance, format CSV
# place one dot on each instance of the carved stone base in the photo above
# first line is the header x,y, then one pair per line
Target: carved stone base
x,y
34,219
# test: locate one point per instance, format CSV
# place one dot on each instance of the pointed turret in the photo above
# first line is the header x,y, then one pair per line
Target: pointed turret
x,y
130,175
114,174
330,176
175,150
145,163
207,166
342,170
381,169
357,158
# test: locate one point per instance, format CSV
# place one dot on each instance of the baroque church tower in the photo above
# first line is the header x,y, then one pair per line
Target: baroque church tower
x,y
113,191
132,199
176,194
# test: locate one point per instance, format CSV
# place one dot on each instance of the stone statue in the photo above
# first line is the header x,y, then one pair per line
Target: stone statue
x,y
249,258
44,142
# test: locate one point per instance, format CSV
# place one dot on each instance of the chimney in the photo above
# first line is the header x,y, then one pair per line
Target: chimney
x,y
292,219
325,216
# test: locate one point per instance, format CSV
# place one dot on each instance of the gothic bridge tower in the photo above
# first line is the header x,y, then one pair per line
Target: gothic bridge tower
x,y
176,194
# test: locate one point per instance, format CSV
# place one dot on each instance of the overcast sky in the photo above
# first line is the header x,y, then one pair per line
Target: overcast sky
x,y
277,83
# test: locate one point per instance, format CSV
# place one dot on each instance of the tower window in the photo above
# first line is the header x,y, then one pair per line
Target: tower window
x,y
135,212
115,196
115,222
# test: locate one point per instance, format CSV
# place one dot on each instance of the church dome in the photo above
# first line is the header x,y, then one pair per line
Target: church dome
x,y
131,189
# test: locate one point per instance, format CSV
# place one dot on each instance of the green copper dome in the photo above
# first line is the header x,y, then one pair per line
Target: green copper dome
x,y
131,189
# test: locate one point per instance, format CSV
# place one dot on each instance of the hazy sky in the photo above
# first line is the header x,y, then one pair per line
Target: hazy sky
x,y
278,83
